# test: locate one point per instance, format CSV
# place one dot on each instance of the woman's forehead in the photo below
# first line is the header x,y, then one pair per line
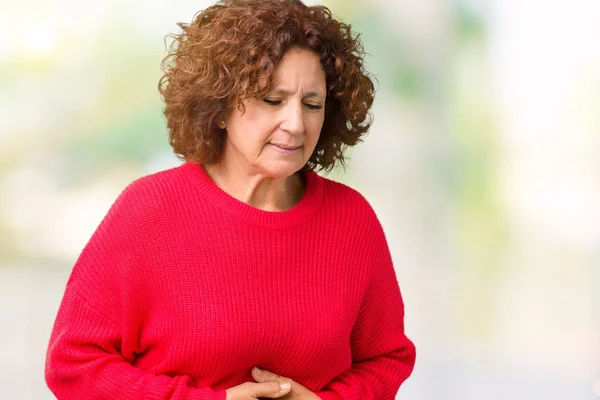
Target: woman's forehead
x,y
299,70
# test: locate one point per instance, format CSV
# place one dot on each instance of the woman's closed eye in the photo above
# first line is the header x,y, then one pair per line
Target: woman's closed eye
x,y
314,106
272,102
310,106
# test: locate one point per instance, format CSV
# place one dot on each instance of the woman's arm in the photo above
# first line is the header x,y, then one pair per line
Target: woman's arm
x,y
84,357
84,362
383,357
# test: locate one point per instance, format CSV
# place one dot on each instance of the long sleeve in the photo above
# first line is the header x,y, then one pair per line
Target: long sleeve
x,y
90,354
383,357
84,362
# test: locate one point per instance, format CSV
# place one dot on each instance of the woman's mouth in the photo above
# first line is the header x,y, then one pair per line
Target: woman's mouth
x,y
285,149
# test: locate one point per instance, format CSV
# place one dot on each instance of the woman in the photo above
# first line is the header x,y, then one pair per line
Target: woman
x,y
242,274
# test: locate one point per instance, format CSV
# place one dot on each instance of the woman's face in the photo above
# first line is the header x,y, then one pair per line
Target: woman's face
x,y
276,135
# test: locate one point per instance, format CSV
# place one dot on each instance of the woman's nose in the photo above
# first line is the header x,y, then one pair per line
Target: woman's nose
x,y
294,119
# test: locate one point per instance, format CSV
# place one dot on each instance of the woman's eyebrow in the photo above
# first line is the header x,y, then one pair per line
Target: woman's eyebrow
x,y
312,93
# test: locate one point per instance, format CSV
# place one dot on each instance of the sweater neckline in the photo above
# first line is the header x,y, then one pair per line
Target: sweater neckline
x,y
301,212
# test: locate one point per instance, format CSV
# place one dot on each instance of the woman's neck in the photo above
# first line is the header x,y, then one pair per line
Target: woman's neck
x,y
258,190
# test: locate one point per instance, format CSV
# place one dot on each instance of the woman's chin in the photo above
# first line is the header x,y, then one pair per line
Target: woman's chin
x,y
283,169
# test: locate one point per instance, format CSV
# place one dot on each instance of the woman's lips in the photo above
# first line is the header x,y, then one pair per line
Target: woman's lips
x,y
285,149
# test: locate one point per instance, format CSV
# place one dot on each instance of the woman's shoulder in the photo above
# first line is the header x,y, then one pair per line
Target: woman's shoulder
x,y
153,191
349,211
348,199
161,182
172,182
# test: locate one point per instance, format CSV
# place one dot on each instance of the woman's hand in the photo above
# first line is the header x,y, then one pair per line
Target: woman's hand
x,y
297,392
252,391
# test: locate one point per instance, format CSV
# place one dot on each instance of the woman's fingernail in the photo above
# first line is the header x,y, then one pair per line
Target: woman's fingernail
x,y
284,385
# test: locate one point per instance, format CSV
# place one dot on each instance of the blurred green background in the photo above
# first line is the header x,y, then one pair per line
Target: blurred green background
x,y
483,165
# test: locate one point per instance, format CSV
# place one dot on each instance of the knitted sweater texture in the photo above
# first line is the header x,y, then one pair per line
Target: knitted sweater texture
x,y
183,289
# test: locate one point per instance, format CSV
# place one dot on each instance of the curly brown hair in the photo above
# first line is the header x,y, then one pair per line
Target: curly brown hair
x,y
222,59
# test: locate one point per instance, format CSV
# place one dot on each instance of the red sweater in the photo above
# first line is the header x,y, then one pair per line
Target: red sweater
x,y
183,289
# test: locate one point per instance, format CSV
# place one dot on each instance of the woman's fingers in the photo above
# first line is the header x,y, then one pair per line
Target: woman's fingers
x,y
272,390
296,390
261,375
251,390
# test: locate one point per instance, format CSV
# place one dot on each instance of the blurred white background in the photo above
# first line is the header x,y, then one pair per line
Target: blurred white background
x,y
483,165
